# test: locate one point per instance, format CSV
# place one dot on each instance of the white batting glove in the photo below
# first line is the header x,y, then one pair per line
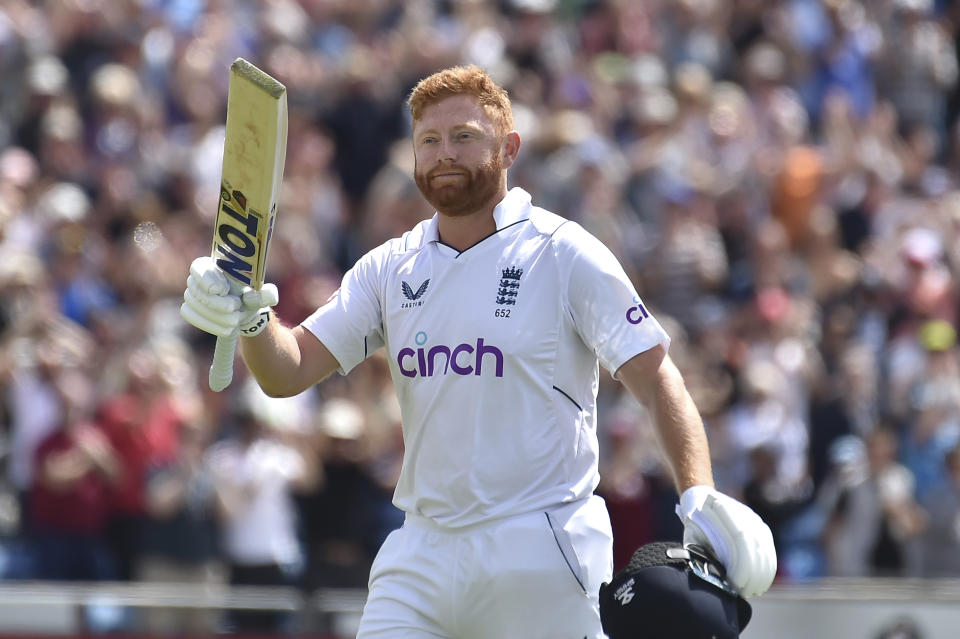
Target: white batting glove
x,y
735,533
215,304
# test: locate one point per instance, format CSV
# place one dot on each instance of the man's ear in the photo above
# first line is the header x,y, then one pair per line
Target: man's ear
x,y
510,148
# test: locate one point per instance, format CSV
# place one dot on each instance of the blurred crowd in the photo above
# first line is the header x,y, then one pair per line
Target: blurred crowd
x,y
779,178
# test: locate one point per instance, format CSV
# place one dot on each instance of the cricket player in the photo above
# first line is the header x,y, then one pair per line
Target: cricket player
x,y
496,316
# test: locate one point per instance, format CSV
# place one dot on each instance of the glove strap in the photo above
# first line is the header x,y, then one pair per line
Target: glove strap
x,y
257,323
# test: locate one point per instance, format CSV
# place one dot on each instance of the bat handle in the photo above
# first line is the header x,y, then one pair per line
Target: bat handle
x,y
221,371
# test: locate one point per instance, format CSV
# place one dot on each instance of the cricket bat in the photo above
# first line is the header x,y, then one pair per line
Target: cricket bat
x,y
254,151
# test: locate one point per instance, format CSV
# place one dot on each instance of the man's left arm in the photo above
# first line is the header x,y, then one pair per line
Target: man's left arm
x,y
735,533
655,381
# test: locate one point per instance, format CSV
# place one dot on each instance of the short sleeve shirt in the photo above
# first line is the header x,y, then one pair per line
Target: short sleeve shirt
x,y
494,352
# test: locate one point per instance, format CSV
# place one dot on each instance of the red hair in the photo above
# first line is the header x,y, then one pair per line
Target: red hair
x,y
464,80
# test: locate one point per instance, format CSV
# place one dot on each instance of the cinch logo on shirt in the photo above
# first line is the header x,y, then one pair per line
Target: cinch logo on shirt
x,y
636,314
463,359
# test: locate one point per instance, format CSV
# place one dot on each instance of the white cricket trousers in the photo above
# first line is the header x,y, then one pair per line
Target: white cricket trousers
x,y
532,576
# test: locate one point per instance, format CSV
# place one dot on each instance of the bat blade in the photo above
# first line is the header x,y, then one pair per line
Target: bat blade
x,y
254,151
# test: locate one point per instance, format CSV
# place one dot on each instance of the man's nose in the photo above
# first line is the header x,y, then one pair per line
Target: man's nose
x,y
447,151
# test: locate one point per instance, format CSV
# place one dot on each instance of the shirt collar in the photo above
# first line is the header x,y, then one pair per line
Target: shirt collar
x,y
513,208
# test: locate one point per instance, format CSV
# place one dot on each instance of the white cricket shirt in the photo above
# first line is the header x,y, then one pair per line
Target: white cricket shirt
x,y
494,354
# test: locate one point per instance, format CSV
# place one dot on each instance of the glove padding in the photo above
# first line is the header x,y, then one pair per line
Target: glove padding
x,y
220,306
735,533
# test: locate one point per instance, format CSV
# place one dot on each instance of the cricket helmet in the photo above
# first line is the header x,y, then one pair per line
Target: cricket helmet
x,y
675,591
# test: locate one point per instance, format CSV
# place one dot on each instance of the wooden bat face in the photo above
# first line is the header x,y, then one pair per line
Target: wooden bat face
x,y
253,158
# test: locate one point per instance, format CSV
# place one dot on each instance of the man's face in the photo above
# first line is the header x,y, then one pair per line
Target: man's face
x,y
458,157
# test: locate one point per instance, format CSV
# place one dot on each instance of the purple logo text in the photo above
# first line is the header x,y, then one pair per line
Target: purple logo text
x,y
463,359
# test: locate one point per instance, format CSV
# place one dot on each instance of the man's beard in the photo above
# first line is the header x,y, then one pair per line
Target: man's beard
x,y
467,195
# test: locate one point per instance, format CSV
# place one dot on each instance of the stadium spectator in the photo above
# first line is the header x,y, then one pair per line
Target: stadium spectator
x,y
848,509
254,476
70,501
143,425
933,421
35,409
765,491
905,628
180,538
895,551
341,529
941,540
626,487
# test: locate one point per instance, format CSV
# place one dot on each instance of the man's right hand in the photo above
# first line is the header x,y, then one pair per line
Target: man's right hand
x,y
213,306
208,302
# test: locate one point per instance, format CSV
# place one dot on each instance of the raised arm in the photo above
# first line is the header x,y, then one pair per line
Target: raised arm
x,y
286,361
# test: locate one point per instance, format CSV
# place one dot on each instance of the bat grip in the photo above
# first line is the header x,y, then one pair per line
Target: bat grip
x,y
221,371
